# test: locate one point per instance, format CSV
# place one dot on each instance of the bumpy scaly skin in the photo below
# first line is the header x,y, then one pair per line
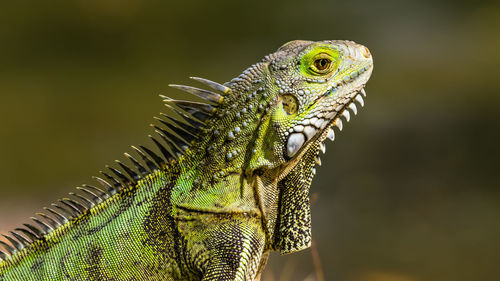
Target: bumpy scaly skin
x,y
239,190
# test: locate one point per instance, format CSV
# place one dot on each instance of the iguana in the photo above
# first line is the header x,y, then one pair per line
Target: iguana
x,y
227,183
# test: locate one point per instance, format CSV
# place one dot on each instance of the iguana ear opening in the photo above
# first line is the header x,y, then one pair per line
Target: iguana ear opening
x,y
293,229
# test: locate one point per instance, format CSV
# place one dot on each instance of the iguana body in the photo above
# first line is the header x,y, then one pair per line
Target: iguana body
x,y
229,184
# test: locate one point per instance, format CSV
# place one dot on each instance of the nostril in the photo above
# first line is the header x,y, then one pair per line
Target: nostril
x,y
365,52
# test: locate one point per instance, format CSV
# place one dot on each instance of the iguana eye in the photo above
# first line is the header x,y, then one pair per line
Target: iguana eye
x,y
322,64
290,103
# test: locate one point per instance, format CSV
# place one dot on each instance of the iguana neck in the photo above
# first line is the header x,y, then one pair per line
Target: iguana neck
x,y
228,170
231,138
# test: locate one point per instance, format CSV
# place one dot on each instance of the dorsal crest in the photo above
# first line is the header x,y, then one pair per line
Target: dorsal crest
x,y
175,135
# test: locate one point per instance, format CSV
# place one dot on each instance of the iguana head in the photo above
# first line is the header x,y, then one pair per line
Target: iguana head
x,y
311,84
279,109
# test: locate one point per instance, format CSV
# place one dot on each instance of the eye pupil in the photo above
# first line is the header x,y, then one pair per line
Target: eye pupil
x,y
322,64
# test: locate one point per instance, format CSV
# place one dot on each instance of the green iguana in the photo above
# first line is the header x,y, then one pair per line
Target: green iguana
x,y
229,181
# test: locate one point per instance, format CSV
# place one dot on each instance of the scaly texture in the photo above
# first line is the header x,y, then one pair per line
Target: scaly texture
x,y
227,183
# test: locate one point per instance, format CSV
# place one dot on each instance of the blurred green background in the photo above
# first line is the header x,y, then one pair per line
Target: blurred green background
x,y
408,191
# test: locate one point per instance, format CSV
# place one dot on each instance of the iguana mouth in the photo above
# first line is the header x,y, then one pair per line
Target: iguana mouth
x,y
356,97
318,129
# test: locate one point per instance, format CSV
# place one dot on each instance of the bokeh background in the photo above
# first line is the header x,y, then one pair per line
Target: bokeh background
x,y
408,191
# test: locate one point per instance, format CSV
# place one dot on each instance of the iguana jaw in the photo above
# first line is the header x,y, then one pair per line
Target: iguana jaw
x,y
335,103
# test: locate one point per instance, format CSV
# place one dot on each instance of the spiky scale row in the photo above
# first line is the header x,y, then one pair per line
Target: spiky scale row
x,y
68,214
190,126
160,162
138,166
192,110
3,255
122,179
111,189
7,247
88,203
45,227
53,223
91,195
178,136
163,151
28,233
75,211
17,245
38,233
214,85
62,219
135,177
181,129
20,238
151,165
176,145
204,94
